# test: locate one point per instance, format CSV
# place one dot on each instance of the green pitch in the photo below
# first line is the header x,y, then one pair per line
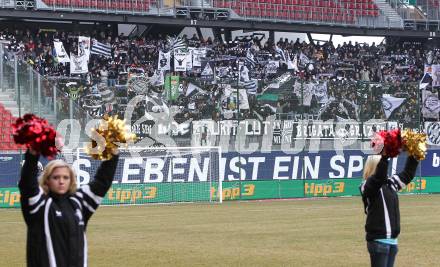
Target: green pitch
x,y
313,232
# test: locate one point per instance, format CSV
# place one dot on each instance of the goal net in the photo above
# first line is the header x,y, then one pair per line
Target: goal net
x,y
157,175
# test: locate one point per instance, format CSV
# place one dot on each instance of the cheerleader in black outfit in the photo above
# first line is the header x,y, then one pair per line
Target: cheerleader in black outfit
x,y
56,212
381,203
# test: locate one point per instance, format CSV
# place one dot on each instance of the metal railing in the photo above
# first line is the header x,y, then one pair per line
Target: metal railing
x,y
30,92
420,14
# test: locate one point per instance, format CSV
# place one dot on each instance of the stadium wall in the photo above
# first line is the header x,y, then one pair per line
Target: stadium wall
x,y
257,176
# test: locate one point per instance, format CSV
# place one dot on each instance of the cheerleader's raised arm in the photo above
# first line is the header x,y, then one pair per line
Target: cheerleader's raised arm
x,y
90,196
373,183
32,197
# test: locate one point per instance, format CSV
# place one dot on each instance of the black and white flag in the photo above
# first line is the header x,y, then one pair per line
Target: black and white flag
x,y
164,62
84,46
192,90
223,72
158,78
432,130
281,54
232,99
243,73
101,49
251,86
431,105
292,64
180,61
107,96
78,64
250,59
321,92
208,70
426,81
307,94
435,75
61,53
176,43
391,103
272,66
304,60
198,54
189,59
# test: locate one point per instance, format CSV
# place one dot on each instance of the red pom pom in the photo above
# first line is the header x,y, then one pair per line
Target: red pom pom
x,y
36,133
389,142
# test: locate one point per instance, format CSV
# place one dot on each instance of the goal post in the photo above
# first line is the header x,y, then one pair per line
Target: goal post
x,y
158,175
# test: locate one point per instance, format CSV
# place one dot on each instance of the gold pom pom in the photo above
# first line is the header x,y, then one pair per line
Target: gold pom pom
x,y
415,144
115,132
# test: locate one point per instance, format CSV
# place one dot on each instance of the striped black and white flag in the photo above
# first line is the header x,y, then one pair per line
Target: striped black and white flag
x,y
176,43
251,86
280,53
250,59
101,49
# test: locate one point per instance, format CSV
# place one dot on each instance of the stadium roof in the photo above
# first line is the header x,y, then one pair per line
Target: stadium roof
x,y
227,24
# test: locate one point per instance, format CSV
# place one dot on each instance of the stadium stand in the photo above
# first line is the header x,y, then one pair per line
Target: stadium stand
x,y
431,7
309,10
6,141
398,68
353,76
123,5
365,13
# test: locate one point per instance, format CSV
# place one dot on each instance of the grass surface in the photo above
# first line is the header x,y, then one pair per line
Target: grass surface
x,y
315,232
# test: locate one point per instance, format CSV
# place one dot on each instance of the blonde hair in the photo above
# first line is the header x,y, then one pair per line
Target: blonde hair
x,y
50,168
370,165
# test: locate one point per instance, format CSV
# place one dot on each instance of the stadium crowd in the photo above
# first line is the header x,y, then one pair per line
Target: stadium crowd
x,y
395,70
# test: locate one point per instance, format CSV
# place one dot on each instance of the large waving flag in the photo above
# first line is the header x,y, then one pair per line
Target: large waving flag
x,y
192,90
176,43
426,81
101,49
391,103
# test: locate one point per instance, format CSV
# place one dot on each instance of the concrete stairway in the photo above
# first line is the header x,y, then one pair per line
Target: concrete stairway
x,y
395,21
7,99
200,3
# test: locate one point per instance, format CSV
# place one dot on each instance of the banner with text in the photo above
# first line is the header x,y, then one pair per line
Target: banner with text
x,y
239,190
231,167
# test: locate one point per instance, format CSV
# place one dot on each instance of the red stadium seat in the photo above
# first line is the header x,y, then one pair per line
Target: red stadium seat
x,y
317,10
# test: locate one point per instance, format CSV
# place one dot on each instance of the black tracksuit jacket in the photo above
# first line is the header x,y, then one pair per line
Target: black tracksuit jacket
x,y
381,202
56,224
